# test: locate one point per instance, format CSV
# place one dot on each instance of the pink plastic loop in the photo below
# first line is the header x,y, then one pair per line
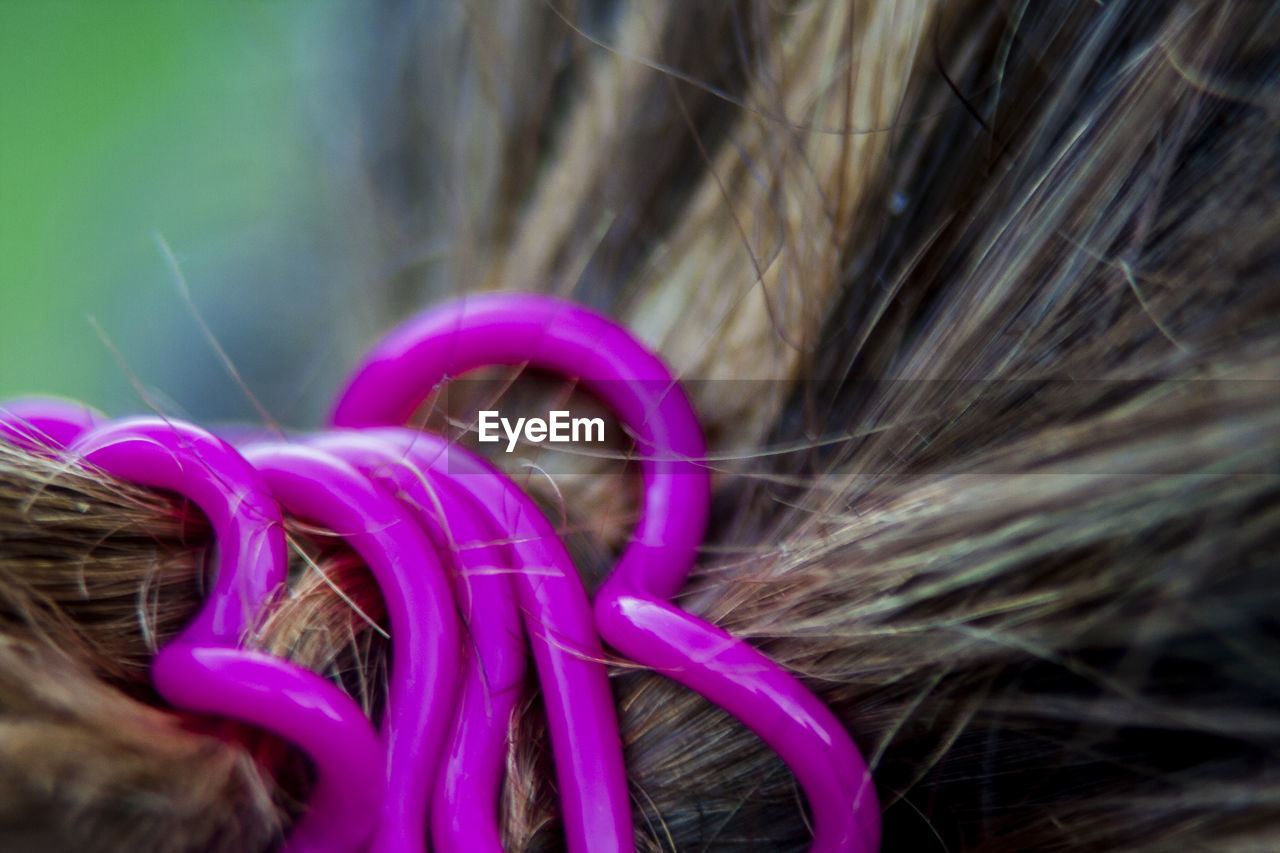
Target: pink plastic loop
x,y
540,331
425,648
557,616
203,670
303,708
182,458
768,699
49,422
464,814
632,608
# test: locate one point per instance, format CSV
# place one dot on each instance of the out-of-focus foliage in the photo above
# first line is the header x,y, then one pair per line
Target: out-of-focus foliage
x,y
195,122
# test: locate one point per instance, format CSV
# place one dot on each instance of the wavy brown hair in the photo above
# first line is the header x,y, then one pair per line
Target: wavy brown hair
x,y
980,305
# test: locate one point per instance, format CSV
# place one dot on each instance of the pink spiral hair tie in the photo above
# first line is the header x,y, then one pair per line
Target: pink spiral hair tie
x,y
411,504
632,609
204,669
566,649
464,814
425,646
45,422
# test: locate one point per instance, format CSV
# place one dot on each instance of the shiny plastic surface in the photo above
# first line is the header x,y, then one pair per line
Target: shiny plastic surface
x,y
541,331
557,617
464,813
203,669
34,422
425,646
632,610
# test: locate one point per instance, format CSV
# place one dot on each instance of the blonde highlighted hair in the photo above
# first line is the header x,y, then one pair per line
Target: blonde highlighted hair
x,y
979,304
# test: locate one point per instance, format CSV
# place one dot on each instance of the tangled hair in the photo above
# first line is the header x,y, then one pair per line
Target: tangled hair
x,y
980,305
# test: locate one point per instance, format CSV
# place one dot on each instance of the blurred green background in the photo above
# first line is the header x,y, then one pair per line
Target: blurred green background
x,y
204,123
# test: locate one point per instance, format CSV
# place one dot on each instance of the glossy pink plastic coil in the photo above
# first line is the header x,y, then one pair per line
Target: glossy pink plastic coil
x,y
632,609
425,644
204,669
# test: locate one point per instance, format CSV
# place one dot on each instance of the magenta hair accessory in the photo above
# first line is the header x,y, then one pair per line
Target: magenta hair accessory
x,y
540,331
35,422
632,609
203,669
557,617
425,645
464,813
302,707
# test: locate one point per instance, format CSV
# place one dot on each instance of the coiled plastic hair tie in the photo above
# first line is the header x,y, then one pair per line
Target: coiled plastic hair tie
x,y
535,566
632,609
318,486
204,669
45,422
436,524
464,814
